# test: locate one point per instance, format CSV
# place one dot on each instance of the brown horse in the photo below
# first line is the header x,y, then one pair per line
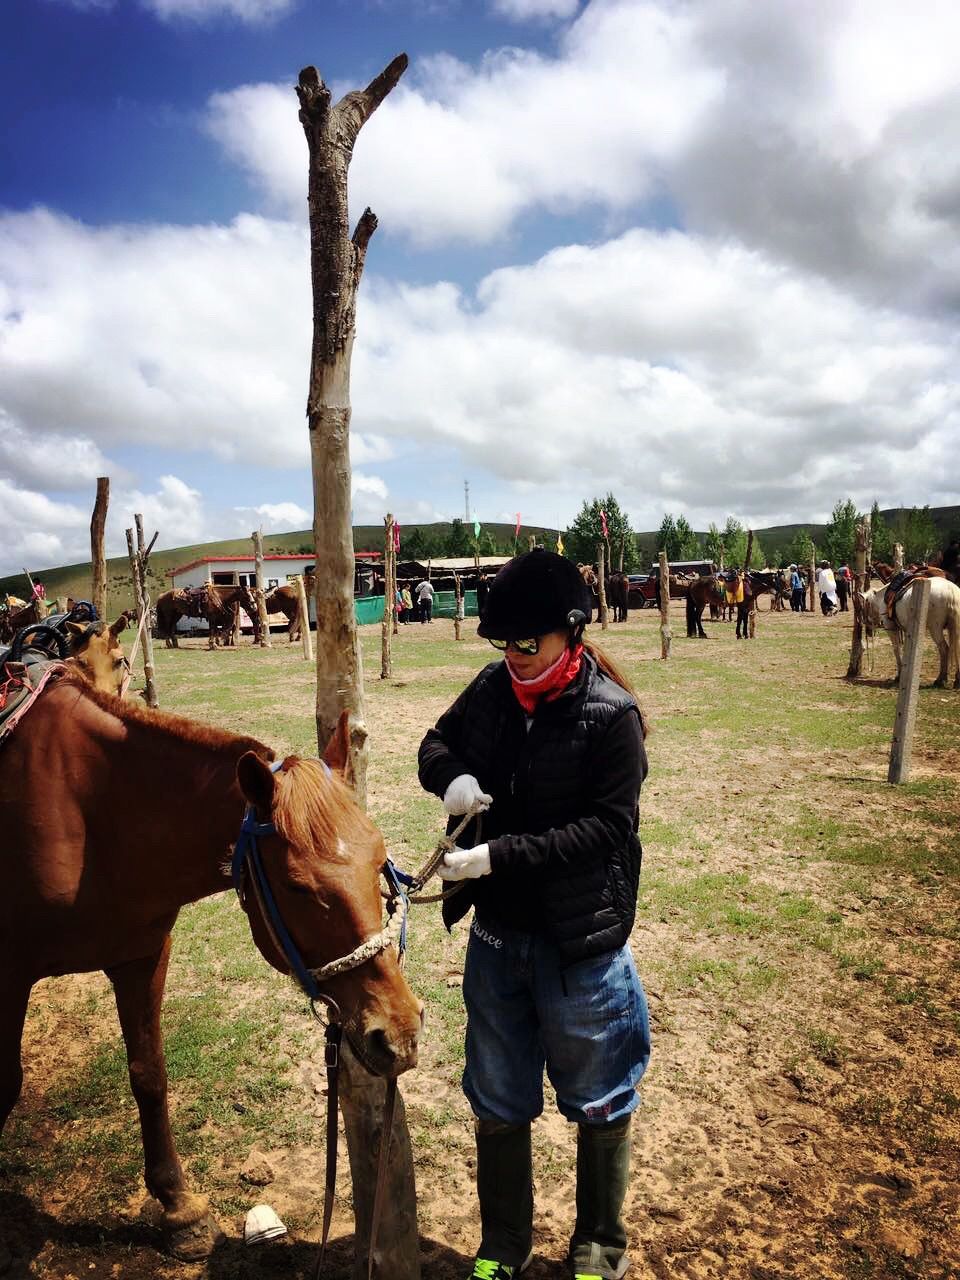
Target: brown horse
x,y
14,618
98,654
700,593
217,604
618,592
286,600
95,870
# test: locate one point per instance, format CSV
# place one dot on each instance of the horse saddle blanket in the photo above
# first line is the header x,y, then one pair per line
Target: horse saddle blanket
x,y
901,583
734,591
21,683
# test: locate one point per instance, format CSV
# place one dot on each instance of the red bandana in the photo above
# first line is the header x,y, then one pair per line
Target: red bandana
x,y
548,684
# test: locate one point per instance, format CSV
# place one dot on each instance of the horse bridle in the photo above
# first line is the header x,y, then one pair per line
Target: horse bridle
x,y
247,861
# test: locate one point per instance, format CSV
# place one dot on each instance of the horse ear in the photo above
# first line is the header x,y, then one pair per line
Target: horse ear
x,y
256,780
119,625
76,629
337,753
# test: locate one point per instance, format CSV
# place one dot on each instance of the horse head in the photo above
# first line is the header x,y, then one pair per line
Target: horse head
x,y
323,863
96,651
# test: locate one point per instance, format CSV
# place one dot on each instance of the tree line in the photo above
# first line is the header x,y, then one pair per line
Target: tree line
x,y
601,522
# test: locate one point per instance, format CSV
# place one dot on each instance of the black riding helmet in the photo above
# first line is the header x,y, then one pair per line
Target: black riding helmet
x,y
532,595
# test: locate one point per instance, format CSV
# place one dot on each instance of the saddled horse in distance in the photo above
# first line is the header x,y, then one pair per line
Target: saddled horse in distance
x,y
217,604
286,600
699,593
114,817
15,615
618,595
943,624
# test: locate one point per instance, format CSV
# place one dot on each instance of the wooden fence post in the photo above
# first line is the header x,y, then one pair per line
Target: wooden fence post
x,y
303,613
457,605
98,560
860,586
386,627
601,586
812,570
665,636
138,570
754,609
265,641
901,750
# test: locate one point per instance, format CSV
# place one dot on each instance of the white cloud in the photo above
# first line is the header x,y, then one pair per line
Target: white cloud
x,y
527,10
35,530
457,152
38,459
254,12
281,517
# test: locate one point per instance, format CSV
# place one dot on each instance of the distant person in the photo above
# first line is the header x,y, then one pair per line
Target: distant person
x,y
39,591
827,587
796,590
425,600
407,603
398,605
843,588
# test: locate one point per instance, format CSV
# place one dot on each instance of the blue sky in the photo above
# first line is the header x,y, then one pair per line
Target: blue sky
x,y
704,255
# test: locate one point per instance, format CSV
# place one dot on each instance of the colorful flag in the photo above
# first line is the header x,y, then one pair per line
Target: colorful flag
x,y
516,532
559,544
603,523
476,529
396,535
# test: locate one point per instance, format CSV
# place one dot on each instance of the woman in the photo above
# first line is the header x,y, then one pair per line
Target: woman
x,y
548,744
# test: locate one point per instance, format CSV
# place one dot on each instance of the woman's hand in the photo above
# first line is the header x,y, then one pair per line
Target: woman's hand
x,y
463,794
465,864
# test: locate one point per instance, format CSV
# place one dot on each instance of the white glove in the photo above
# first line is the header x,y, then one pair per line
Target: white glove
x,y
463,793
465,864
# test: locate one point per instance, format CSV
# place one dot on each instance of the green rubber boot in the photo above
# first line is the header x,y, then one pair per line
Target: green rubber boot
x,y
505,1192
599,1242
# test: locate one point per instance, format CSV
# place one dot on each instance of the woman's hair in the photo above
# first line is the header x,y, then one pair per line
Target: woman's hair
x,y
609,668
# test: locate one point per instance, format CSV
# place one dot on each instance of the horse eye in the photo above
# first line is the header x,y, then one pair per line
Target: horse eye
x,y
119,662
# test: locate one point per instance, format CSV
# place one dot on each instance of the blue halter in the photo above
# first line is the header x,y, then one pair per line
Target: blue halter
x,y
246,855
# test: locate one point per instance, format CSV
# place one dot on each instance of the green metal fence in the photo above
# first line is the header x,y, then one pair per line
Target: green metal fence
x,y
370,608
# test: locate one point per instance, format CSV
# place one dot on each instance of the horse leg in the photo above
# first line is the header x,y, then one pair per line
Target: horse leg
x,y
943,648
14,995
138,988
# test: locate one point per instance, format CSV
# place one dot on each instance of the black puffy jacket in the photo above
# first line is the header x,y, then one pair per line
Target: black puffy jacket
x,y
562,828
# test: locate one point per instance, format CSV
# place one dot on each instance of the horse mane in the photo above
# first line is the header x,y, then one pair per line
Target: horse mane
x,y
193,731
310,802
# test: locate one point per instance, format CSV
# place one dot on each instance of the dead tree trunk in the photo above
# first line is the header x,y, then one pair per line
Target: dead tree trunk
x,y
665,636
601,587
336,264
457,606
389,597
98,560
138,571
265,642
859,587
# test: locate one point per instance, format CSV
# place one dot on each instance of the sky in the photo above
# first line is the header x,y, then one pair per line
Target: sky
x,y
703,254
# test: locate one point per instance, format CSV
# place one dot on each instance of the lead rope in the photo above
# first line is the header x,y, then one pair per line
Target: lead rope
x,y
445,844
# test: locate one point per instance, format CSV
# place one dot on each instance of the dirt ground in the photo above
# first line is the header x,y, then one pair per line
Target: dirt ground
x,y
798,940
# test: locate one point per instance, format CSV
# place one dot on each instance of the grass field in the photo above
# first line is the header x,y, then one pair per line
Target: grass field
x,y
797,935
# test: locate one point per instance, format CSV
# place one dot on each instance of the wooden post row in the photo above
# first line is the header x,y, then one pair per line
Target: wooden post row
x,y
98,560
601,586
386,627
665,636
901,749
259,594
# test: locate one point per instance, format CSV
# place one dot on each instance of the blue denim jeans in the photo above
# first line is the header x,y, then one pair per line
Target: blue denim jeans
x,y
587,1025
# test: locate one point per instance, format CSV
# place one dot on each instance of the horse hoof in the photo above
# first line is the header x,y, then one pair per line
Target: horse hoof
x,y
195,1241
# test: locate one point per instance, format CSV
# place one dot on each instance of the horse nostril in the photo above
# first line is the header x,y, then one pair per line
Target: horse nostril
x,y
379,1047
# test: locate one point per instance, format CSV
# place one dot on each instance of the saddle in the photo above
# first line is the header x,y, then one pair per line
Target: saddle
x,y
21,684
901,582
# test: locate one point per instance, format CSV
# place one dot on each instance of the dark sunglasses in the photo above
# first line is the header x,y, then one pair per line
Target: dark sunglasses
x,y
530,646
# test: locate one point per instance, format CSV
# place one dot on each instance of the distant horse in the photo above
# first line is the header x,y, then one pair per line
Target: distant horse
x,y
217,604
592,583
618,591
949,561
286,600
114,817
700,593
14,615
943,623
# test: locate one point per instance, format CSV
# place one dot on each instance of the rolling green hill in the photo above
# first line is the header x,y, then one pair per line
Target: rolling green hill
x,y
74,579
